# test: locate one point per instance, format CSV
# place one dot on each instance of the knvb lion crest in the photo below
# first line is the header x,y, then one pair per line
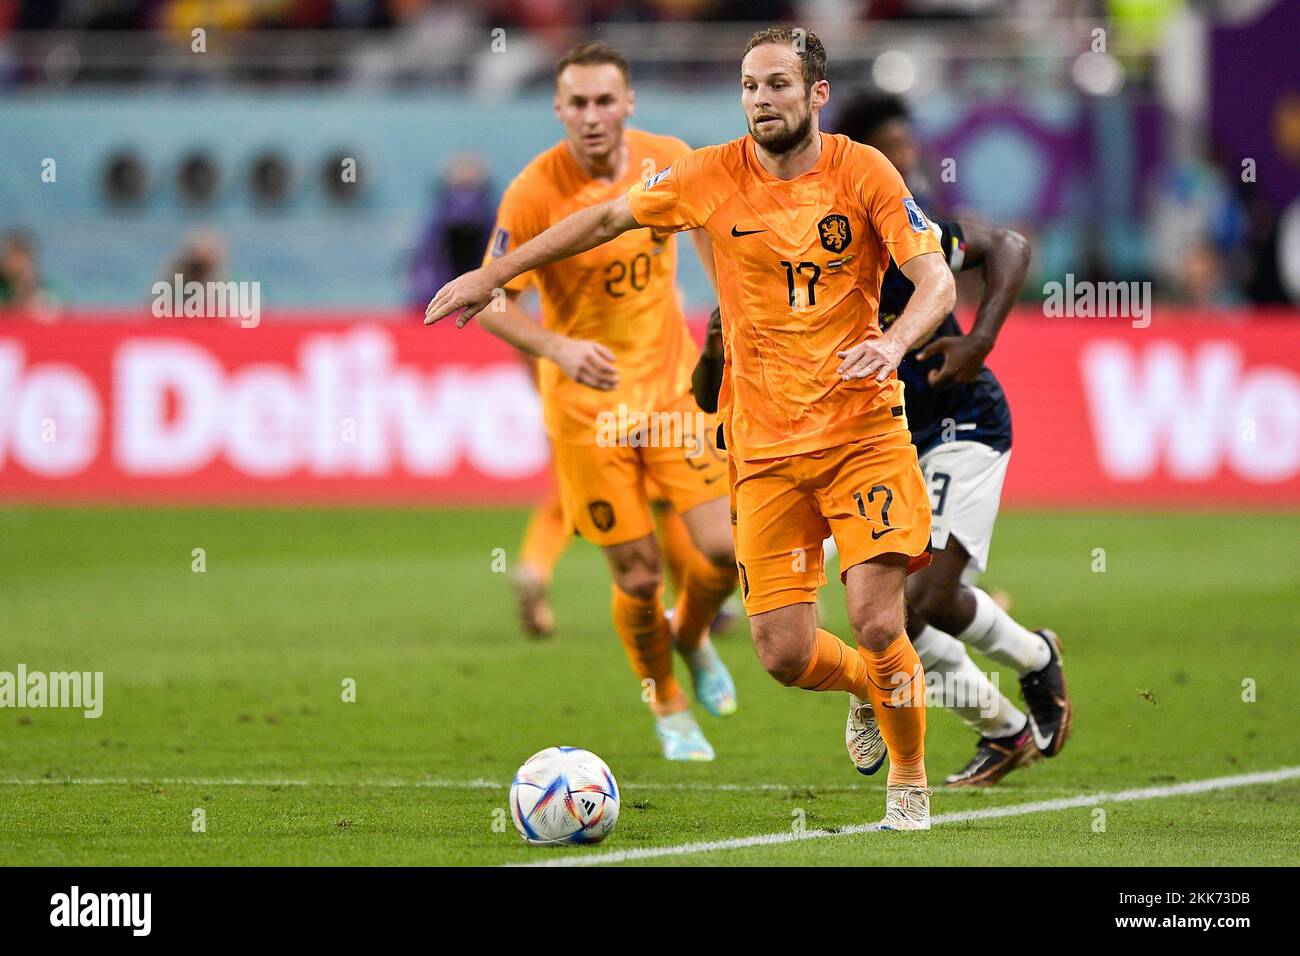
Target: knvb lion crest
x,y
835,233
602,514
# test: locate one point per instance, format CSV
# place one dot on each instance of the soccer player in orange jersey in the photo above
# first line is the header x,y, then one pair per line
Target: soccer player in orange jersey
x,y
615,378
547,536
803,226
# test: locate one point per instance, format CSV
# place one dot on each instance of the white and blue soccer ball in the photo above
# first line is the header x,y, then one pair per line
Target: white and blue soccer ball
x,y
564,795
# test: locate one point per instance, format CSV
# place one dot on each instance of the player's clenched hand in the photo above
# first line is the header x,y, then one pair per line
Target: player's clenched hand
x,y
588,363
963,358
875,357
470,293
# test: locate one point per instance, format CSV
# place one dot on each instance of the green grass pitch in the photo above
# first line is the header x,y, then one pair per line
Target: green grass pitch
x,y
223,692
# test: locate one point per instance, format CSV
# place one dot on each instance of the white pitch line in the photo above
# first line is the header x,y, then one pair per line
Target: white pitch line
x,y
1012,810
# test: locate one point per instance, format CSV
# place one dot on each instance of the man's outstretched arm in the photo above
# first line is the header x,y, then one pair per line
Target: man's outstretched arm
x,y
582,231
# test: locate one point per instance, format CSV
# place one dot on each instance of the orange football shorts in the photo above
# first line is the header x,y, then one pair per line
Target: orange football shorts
x,y
606,487
869,494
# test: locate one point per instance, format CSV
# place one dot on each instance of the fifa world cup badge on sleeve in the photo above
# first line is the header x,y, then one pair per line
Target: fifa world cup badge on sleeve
x,y
500,243
915,216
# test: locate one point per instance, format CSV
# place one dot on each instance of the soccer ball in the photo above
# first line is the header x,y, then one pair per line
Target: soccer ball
x,y
564,795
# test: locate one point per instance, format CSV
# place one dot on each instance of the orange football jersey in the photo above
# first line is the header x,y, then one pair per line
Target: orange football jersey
x,y
799,265
621,294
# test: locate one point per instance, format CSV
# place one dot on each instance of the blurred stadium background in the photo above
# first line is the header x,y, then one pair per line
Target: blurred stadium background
x,y
345,156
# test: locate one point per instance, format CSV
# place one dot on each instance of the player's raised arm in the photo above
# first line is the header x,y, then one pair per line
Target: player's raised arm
x,y
934,298
1004,256
583,230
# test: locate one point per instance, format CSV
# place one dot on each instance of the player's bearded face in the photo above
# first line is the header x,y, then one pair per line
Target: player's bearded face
x,y
778,105
781,132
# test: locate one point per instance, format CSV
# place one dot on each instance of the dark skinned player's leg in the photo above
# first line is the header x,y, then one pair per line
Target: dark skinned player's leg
x,y
939,605
971,615
936,593
967,478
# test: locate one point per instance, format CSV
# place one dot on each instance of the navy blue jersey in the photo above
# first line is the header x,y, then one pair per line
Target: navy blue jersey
x,y
979,411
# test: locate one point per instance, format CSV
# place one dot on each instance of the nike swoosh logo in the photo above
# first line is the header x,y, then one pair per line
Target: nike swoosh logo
x,y
1041,742
877,535
709,481
745,232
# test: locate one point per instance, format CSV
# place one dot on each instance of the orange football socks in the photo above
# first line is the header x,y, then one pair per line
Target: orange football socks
x,y
545,538
834,666
899,702
643,629
704,591
897,690
675,543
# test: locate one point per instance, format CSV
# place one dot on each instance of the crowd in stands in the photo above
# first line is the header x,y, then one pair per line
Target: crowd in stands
x,y
533,14
1212,243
